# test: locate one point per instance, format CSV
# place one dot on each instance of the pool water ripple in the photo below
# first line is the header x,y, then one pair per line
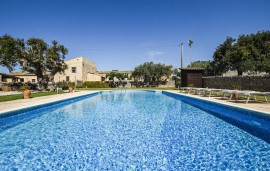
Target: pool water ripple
x,y
133,130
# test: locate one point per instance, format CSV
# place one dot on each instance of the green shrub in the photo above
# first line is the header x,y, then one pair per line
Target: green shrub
x,y
25,87
64,85
79,86
95,84
177,82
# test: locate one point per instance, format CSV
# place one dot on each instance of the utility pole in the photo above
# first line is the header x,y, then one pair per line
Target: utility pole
x,y
190,42
181,54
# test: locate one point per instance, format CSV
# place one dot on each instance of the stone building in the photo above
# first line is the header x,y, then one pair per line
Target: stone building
x,y
6,78
79,70
22,77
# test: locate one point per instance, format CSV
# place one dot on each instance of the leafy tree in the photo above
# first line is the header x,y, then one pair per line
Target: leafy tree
x,y
247,53
43,60
35,56
10,51
152,72
176,72
119,76
220,64
199,64
260,50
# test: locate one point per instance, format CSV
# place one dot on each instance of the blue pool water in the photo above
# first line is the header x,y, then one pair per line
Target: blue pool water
x,y
132,130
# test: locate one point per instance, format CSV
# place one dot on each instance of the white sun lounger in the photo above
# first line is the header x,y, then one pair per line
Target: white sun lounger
x,y
226,91
211,90
265,94
184,89
247,93
199,90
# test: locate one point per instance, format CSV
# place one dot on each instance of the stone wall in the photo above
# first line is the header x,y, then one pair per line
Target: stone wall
x,y
257,83
93,77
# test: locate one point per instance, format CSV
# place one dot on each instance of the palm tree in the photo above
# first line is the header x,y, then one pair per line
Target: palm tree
x,y
190,42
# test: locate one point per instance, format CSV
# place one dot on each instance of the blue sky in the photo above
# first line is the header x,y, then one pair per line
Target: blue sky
x,y
121,34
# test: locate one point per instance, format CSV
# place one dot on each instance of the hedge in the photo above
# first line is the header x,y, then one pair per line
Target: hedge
x,y
96,84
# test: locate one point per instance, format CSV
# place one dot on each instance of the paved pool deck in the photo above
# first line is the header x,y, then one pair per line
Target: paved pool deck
x,y
255,106
25,103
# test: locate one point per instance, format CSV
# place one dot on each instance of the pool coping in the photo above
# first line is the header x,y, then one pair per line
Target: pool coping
x,y
244,107
34,103
47,100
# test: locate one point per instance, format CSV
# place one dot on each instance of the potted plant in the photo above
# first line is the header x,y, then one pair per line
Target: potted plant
x,y
236,87
70,87
26,91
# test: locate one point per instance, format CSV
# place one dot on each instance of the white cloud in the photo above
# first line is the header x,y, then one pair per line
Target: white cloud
x,y
153,53
145,45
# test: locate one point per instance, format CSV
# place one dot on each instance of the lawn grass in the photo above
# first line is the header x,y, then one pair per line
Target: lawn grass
x,y
20,96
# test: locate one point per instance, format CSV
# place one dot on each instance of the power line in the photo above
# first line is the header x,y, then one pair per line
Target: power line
x,y
132,47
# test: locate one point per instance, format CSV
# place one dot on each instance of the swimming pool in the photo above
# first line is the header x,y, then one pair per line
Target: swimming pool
x,y
132,130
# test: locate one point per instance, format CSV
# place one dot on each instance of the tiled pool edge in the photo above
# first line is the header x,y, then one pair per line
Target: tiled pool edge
x,y
253,122
4,114
228,106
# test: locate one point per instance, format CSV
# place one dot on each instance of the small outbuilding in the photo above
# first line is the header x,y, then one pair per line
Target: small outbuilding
x,y
8,78
191,77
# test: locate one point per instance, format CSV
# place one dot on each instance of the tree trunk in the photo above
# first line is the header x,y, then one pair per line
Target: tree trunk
x,y
239,72
42,83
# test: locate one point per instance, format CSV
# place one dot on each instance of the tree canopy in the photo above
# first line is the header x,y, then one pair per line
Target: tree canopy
x,y
119,76
35,56
199,64
10,51
247,53
152,72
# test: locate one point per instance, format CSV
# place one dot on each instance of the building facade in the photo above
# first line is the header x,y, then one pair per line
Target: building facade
x,y
79,70
22,77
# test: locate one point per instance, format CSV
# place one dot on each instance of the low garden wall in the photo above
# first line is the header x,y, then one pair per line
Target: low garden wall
x,y
247,82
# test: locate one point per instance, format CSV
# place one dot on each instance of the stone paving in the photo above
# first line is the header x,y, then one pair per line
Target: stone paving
x,y
255,106
24,103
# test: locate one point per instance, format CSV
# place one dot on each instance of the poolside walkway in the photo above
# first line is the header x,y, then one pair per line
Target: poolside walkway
x,y
24,103
259,107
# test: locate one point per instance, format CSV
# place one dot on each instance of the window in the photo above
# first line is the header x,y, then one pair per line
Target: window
x,y
22,80
73,69
33,80
67,78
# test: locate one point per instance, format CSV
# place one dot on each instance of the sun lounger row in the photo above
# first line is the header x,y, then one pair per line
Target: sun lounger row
x,y
248,94
200,90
